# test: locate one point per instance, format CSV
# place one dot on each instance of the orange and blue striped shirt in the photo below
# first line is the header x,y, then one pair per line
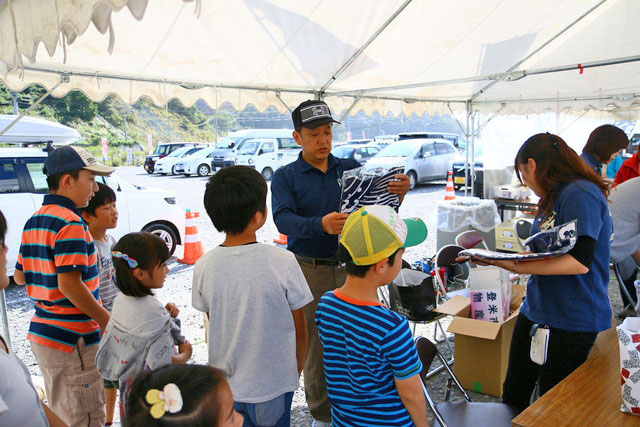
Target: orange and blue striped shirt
x,y
56,240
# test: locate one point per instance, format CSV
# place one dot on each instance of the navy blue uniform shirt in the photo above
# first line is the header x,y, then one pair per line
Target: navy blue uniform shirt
x,y
300,196
593,162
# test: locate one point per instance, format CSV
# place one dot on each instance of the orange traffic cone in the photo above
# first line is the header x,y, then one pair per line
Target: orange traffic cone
x,y
192,244
281,239
450,193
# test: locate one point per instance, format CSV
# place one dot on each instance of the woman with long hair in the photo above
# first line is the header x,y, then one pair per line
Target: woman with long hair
x,y
566,294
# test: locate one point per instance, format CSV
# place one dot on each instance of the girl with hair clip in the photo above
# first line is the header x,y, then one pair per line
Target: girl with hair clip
x,y
141,332
182,396
566,295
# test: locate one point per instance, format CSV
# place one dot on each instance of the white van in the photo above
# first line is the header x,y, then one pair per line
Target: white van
x,y
228,148
266,155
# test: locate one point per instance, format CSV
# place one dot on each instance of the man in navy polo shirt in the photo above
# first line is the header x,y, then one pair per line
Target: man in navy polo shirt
x,y
305,201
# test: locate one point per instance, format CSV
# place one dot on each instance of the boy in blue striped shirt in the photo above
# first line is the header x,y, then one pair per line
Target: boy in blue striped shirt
x,y
371,364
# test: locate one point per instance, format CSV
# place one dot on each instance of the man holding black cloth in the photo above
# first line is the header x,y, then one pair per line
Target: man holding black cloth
x,y
305,202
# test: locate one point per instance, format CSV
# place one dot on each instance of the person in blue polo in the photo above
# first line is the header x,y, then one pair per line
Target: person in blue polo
x,y
305,201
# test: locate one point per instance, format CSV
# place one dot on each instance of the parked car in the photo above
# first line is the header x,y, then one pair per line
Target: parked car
x,y
163,150
167,164
198,163
459,175
226,154
23,186
360,141
384,140
361,153
458,141
423,159
266,155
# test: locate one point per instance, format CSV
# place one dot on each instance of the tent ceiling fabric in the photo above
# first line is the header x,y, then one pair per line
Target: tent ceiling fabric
x,y
281,52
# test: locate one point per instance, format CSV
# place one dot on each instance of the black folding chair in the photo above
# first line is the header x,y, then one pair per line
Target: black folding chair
x,y
464,413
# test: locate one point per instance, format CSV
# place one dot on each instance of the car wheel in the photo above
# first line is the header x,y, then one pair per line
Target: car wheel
x,y
203,170
165,233
173,171
149,170
413,179
267,174
186,174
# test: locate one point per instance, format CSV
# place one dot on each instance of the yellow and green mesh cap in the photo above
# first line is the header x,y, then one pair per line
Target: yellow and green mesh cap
x,y
373,233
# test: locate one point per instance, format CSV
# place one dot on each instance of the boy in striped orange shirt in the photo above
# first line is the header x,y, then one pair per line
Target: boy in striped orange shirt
x,y
58,264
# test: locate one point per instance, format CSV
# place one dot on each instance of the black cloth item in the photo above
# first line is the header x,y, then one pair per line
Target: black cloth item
x,y
584,250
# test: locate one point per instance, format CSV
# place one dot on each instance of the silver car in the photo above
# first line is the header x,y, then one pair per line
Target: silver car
x,y
423,159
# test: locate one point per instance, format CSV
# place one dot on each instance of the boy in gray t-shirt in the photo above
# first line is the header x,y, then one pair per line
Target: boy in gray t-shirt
x,y
101,215
253,294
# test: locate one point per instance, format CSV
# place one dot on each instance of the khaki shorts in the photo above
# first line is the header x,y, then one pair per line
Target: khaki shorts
x,y
75,389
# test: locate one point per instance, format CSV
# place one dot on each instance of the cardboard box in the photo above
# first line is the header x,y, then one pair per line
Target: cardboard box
x,y
481,349
490,293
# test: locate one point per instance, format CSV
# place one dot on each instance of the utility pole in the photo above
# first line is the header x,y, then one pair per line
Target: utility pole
x,y
124,116
15,102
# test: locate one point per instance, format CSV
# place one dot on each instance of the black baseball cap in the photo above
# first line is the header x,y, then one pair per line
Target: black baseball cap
x,y
311,114
67,158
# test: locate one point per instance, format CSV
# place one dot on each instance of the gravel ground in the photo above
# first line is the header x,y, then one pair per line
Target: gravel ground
x,y
420,202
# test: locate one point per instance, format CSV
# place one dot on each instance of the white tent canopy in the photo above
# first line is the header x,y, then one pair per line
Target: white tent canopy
x,y
423,56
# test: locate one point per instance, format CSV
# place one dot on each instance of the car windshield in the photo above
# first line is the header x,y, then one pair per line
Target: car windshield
x,y
249,147
180,151
228,141
342,152
398,149
162,149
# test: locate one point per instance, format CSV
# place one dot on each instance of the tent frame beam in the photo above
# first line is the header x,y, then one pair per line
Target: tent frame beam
x,y
359,52
496,77
63,79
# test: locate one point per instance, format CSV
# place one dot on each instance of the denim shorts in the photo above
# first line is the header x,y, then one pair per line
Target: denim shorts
x,y
272,413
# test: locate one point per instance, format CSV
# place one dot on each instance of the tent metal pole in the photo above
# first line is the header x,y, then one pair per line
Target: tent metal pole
x,y
346,113
464,131
542,46
495,77
473,149
493,116
466,163
5,318
364,46
282,101
63,79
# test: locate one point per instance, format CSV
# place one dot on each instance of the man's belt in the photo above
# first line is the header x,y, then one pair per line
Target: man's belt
x,y
318,261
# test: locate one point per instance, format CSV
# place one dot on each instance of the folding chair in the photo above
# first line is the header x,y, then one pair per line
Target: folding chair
x,y
470,239
626,273
466,412
522,228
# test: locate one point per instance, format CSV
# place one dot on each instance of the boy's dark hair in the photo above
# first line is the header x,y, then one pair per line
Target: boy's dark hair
x,y
148,250
357,270
3,229
101,197
197,384
604,141
53,181
233,196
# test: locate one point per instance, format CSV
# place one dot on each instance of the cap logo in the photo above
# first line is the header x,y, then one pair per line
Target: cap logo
x,y
314,112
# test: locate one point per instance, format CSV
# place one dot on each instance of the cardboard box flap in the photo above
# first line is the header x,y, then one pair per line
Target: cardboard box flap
x,y
456,306
474,328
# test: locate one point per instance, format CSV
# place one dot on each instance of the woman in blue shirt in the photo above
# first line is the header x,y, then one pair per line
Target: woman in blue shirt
x,y
568,293
603,146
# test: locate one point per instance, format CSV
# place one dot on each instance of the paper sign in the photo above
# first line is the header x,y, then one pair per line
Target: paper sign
x,y
105,147
150,143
